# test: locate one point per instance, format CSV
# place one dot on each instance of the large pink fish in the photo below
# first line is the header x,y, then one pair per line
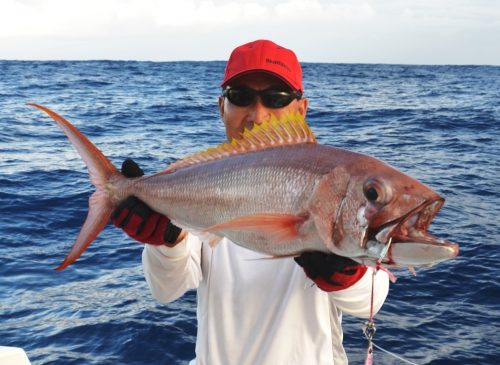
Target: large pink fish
x,y
278,192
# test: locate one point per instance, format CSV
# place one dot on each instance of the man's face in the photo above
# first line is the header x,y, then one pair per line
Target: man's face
x,y
237,118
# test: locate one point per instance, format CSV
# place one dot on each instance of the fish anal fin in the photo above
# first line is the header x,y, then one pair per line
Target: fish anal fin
x,y
280,227
273,258
212,239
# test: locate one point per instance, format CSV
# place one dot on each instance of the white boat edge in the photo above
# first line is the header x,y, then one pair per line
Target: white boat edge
x,y
13,356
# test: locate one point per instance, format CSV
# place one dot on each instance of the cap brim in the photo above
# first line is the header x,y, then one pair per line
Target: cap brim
x,y
246,72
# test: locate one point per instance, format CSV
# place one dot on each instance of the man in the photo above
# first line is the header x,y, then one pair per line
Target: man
x,y
253,311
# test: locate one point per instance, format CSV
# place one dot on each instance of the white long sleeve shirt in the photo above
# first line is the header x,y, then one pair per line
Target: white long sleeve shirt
x,y
254,311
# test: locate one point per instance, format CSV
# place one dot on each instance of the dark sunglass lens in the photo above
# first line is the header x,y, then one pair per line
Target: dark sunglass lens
x,y
241,97
276,99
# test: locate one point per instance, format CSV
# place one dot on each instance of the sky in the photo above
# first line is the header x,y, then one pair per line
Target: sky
x,y
350,31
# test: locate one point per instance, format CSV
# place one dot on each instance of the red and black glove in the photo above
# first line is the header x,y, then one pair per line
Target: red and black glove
x,y
330,272
138,220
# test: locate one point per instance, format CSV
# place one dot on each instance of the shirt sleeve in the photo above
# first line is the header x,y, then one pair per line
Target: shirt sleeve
x,y
356,299
171,271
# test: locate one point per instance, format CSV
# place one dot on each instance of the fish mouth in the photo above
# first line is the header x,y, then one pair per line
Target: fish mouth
x,y
406,240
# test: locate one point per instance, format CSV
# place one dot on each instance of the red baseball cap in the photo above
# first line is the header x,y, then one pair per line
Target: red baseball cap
x,y
266,56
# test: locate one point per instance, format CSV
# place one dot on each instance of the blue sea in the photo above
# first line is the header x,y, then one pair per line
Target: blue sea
x,y
440,124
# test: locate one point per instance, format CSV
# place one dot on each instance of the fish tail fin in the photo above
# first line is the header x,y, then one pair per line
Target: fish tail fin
x,y
101,170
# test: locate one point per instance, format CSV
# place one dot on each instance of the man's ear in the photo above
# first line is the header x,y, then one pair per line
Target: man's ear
x,y
303,106
221,106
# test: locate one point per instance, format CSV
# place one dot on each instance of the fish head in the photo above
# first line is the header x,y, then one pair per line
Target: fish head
x,y
385,216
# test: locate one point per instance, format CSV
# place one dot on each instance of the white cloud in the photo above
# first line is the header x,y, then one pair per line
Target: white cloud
x,y
408,31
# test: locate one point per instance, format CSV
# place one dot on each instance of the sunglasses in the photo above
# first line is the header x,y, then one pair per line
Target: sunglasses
x,y
271,98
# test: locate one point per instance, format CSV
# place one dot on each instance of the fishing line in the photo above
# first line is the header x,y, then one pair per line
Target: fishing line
x,y
393,354
369,327
31,261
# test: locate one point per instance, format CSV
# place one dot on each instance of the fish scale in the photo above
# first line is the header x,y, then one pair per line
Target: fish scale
x,y
228,190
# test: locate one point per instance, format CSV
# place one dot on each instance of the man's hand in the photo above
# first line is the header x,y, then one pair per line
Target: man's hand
x,y
330,272
139,221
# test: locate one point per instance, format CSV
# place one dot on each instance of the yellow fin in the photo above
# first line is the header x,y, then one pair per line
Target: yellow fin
x,y
290,129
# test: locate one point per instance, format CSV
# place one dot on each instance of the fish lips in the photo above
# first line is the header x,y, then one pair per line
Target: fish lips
x,y
406,240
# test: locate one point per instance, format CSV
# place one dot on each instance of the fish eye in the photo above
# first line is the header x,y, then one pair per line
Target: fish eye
x,y
371,194
377,192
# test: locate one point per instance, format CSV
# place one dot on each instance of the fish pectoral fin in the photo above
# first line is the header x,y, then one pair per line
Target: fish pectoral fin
x,y
280,227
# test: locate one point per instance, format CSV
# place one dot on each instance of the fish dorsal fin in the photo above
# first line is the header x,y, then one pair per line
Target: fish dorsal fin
x,y
290,129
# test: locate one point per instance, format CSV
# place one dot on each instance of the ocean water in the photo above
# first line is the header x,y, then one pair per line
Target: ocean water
x,y
440,124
